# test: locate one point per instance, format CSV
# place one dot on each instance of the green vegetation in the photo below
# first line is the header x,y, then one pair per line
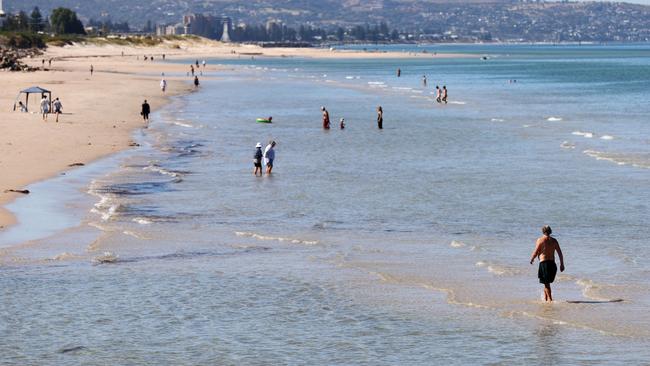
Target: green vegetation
x,y
65,21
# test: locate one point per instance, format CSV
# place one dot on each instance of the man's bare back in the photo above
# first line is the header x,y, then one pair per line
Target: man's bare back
x,y
545,249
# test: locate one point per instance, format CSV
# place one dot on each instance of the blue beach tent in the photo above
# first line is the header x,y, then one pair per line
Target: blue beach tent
x,y
33,90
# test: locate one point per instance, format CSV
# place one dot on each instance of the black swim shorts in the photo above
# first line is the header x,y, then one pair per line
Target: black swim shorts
x,y
547,271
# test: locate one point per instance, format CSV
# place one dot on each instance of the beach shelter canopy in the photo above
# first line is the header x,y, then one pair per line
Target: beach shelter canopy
x,y
33,90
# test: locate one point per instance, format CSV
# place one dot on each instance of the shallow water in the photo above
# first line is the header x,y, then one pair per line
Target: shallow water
x,y
407,245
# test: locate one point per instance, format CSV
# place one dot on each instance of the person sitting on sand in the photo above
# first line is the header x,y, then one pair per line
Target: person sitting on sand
x,y
58,106
269,156
257,159
45,107
146,109
545,249
326,118
22,107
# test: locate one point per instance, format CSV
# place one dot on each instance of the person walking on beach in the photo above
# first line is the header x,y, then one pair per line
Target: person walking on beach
x,y
45,107
146,109
92,69
545,249
380,118
424,80
399,72
438,94
163,84
342,124
203,64
196,81
444,94
192,69
269,156
326,118
257,159
58,106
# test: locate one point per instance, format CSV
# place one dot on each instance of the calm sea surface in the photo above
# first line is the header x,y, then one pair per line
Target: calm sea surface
x,y
407,245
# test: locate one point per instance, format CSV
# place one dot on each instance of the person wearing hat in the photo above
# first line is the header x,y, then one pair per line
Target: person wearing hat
x,y
257,159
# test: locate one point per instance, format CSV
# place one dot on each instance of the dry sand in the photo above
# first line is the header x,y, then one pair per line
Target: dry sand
x,y
101,111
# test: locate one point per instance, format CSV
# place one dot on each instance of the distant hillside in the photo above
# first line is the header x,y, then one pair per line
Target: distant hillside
x,y
485,19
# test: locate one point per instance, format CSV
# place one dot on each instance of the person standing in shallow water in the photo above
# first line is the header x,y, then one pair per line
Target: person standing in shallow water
x,y
269,156
257,159
326,118
444,94
438,94
545,249
196,81
380,118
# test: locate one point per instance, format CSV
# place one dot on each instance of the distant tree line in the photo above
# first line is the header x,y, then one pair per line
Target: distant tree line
x,y
61,21
275,32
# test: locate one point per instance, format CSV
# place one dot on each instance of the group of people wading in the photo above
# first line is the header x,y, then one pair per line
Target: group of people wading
x,y
326,119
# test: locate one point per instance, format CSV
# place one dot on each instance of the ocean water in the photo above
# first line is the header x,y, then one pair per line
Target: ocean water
x,y
407,245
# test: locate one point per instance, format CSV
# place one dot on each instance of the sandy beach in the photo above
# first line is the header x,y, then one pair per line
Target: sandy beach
x,y
100,112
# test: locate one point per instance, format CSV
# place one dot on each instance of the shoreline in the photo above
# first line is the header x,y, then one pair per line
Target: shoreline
x,y
101,112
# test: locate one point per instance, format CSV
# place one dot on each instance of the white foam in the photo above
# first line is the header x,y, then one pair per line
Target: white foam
x,y
274,238
376,83
181,124
457,244
142,221
567,145
107,257
583,134
497,120
606,137
349,77
457,102
554,119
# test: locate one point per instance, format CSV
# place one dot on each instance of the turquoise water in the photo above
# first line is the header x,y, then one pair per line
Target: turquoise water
x,y
408,245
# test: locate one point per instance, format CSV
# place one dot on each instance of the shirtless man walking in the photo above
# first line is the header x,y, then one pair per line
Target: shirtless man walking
x,y
545,249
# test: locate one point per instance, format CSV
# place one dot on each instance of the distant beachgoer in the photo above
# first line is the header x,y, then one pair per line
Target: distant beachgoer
x,y
45,107
424,80
545,249
399,72
342,124
43,63
192,69
122,53
196,81
257,159
326,118
380,117
151,58
444,94
58,106
49,63
92,69
269,156
163,57
146,58
197,64
163,85
203,64
146,109
438,94
22,107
